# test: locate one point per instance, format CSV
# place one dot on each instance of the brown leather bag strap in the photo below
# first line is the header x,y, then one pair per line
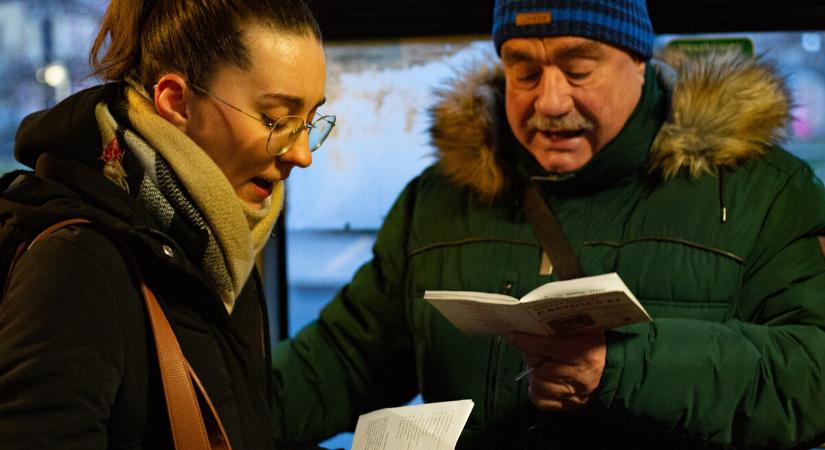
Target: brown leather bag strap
x,y
214,428
550,234
25,246
190,429
65,223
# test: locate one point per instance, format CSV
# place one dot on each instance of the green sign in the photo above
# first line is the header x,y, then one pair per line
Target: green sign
x,y
694,46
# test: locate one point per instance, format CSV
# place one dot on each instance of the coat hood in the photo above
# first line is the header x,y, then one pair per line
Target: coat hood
x,y
726,108
64,145
67,130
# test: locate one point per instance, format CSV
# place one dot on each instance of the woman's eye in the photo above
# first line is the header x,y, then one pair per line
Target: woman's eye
x,y
281,126
267,121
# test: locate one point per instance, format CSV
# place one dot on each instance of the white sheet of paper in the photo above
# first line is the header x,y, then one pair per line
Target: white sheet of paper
x,y
430,426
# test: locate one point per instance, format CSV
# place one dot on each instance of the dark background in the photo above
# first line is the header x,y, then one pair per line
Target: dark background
x,y
362,19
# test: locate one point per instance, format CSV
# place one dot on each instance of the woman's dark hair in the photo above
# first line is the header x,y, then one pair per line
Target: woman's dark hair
x,y
192,37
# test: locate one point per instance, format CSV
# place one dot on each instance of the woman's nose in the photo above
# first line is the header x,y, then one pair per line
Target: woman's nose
x,y
299,154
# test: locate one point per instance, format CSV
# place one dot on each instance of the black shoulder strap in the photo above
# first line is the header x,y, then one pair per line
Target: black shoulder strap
x,y
550,234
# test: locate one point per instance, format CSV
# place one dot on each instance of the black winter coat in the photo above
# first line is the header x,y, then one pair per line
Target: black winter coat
x,y
77,361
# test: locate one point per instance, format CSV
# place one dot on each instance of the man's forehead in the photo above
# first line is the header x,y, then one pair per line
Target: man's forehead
x,y
550,48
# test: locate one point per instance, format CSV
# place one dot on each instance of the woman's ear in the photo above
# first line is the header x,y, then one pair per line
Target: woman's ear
x,y
172,100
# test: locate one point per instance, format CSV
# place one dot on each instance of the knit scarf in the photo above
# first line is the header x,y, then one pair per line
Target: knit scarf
x,y
183,189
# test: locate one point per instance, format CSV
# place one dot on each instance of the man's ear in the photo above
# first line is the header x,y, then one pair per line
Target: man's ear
x,y
640,67
172,96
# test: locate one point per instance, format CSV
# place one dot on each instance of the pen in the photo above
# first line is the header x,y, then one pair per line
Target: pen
x,y
528,370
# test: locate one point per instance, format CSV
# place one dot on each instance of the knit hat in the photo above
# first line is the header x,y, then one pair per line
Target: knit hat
x,y
623,23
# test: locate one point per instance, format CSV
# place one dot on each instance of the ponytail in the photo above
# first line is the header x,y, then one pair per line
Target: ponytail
x,y
122,24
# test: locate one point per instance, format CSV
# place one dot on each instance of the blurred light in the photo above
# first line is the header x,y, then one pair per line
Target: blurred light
x,y
811,42
808,91
55,75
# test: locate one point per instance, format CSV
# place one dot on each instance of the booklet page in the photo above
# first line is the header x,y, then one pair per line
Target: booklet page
x,y
579,306
431,426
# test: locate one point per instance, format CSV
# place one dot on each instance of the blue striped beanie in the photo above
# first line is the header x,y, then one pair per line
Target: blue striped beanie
x,y
622,23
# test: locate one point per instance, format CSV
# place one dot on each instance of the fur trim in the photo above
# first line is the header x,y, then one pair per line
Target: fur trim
x,y
465,121
726,109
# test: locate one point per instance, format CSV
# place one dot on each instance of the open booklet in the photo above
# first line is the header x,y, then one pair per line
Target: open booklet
x,y
431,426
579,306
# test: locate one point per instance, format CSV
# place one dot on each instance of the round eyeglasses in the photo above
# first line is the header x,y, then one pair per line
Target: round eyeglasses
x,y
284,131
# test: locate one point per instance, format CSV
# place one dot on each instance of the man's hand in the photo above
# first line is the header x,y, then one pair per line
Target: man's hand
x,y
567,369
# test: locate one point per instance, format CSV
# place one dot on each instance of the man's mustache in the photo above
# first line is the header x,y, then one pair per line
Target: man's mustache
x,y
570,121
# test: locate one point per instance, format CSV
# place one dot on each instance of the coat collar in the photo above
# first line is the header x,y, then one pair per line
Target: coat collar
x,y
725,109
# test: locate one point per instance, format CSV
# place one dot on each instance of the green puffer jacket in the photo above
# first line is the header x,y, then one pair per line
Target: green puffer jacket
x,y
715,229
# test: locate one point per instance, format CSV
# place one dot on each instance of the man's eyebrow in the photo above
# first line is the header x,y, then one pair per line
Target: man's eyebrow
x,y
510,57
291,101
589,49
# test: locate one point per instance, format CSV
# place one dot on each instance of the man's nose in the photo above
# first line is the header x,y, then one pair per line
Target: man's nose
x,y
555,98
299,154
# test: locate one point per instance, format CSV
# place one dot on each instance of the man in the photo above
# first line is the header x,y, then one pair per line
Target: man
x,y
669,176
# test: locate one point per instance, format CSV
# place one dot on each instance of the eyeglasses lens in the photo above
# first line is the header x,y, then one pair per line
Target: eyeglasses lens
x,y
288,129
320,131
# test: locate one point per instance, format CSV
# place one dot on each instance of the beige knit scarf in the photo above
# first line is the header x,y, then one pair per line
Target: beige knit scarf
x,y
239,230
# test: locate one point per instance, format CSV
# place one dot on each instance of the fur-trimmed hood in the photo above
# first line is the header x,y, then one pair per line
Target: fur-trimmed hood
x,y
726,108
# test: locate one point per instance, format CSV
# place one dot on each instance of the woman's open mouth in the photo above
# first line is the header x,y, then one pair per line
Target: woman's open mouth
x,y
263,187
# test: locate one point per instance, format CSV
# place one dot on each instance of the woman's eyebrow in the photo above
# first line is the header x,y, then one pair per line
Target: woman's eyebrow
x,y
291,101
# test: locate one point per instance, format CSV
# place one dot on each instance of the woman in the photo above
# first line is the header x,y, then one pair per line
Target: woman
x,y
180,160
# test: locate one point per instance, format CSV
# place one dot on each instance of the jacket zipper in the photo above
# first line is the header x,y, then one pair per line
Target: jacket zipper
x,y
492,379
492,366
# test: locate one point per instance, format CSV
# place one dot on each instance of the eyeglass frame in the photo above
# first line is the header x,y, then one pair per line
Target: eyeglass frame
x,y
271,124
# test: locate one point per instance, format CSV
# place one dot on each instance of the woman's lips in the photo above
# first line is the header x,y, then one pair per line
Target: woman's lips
x,y
263,187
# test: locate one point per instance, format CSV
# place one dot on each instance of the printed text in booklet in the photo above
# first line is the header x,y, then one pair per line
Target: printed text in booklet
x,y
579,306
